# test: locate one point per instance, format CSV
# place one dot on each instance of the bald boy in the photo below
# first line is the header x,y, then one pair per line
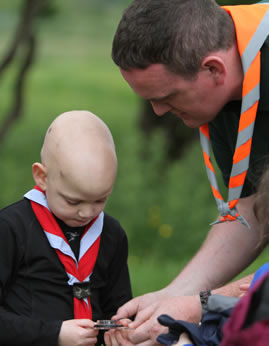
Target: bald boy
x,y
63,261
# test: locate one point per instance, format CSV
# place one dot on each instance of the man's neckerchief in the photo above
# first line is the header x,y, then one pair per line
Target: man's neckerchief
x,y
78,271
252,28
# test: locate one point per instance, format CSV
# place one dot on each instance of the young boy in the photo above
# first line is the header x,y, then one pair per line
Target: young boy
x,y
63,262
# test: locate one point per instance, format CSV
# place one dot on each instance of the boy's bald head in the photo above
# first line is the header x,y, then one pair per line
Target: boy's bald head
x,y
79,131
79,149
78,140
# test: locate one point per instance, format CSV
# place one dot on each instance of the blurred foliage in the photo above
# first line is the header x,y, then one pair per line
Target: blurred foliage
x,y
165,210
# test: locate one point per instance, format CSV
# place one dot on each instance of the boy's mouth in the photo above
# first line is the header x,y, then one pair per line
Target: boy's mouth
x,y
83,222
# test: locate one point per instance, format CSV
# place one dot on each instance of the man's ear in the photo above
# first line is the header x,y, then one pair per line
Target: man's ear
x,y
216,67
40,175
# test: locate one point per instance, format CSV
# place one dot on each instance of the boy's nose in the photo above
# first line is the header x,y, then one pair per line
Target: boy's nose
x,y
86,212
160,108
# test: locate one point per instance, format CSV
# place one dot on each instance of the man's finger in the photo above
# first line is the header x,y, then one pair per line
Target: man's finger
x,y
113,339
143,315
244,287
141,334
156,330
129,309
123,339
149,343
117,338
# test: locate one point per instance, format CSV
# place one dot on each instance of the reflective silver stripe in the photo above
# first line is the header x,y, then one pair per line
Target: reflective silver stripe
x,y
234,193
220,205
205,143
91,235
224,209
240,167
250,98
245,135
212,178
206,147
256,42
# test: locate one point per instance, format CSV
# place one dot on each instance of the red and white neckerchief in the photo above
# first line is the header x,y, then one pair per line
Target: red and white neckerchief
x,y
78,271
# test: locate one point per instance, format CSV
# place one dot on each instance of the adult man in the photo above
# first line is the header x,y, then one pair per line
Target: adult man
x,y
188,57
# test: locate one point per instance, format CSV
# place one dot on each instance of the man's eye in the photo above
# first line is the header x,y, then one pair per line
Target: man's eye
x,y
101,200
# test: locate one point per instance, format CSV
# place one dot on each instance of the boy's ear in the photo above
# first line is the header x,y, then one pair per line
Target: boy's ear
x,y
40,175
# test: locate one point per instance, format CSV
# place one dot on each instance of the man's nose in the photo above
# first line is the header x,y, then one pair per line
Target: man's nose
x,y
160,108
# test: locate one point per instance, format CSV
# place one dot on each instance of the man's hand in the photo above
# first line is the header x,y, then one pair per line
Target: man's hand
x,y
78,333
228,249
146,326
134,306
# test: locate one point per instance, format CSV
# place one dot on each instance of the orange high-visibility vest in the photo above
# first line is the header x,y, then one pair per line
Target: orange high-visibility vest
x,y
252,28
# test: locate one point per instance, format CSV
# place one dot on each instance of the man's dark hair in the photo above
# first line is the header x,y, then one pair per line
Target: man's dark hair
x,y
176,33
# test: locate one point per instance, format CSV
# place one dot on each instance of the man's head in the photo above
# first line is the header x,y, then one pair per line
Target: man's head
x,y
176,33
78,167
181,55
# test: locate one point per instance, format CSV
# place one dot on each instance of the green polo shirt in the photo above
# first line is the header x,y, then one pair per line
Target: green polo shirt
x,y
224,129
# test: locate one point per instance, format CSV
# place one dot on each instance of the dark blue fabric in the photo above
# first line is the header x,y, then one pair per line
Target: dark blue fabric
x,y
208,333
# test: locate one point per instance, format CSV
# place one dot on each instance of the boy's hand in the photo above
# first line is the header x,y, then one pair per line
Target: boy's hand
x,y
78,333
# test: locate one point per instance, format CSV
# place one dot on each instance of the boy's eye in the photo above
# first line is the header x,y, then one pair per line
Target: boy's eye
x,y
72,202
